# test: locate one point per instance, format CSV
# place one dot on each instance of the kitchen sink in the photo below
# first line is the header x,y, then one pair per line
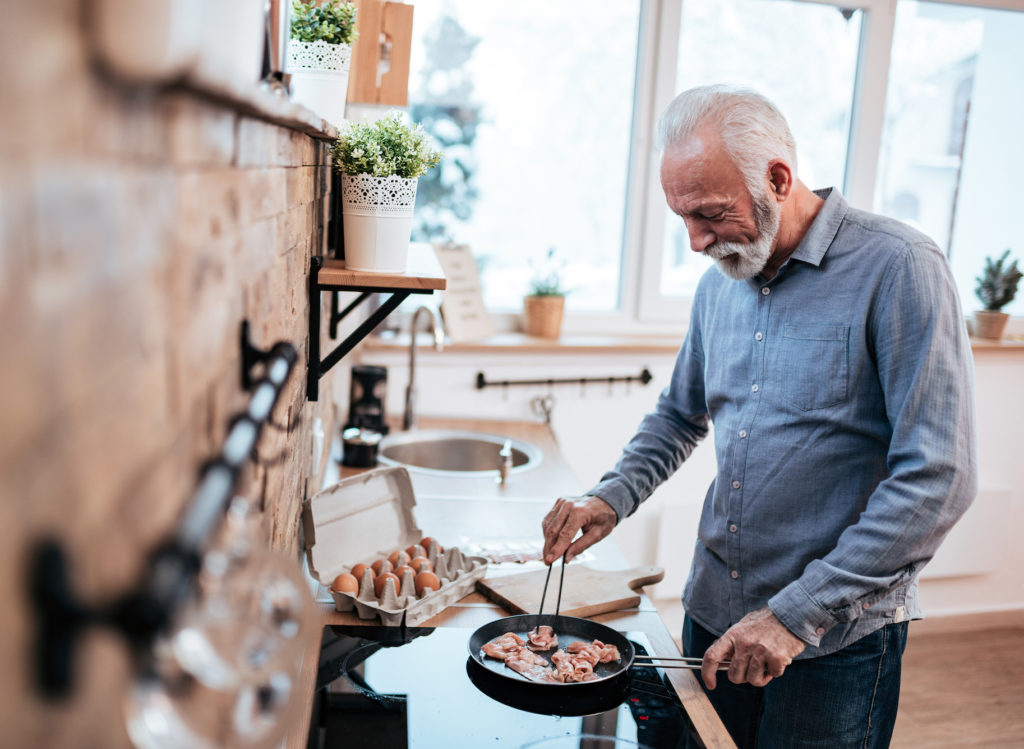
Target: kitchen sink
x,y
452,452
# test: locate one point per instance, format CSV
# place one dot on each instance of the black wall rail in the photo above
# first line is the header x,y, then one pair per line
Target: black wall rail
x,y
643,378
168,578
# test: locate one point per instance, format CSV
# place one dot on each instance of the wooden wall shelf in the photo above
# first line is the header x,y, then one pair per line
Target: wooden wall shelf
x,y
423,276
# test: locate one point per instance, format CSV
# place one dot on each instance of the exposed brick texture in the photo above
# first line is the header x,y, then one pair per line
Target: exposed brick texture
x,y
138,229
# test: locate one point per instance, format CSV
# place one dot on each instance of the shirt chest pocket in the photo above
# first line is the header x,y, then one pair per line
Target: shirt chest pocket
x,y
812,366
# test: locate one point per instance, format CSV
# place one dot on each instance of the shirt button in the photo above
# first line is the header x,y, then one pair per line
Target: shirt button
x,y
865,606
735,484
755,387
734,574
743,434
758,336
820,630
733,528
765,290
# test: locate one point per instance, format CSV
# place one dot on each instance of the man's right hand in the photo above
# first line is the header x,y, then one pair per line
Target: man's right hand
x,y
592,515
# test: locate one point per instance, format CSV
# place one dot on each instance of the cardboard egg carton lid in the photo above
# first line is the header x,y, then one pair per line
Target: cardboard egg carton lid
x,y
359,517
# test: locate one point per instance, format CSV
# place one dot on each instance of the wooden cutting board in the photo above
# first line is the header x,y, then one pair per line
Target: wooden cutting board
x,y
586,591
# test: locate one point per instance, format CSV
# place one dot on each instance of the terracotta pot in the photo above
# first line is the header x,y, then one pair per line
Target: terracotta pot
x,y
542,315
989,324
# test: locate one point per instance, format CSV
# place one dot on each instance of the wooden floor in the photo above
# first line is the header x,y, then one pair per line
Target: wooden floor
x,y
962,689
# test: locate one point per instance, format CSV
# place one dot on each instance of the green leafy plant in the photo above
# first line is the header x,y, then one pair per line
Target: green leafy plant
x,y
997,284
333,22
547,277
384,148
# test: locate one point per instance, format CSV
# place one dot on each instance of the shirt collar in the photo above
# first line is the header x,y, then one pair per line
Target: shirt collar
x,y
819,236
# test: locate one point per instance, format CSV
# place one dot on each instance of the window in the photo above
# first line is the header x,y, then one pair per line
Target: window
x,y
532,102
547,113
951,154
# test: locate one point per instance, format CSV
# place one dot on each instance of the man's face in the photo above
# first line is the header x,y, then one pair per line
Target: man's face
x,y
725,222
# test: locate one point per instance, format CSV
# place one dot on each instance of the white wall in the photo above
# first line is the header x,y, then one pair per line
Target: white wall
x,y
978,569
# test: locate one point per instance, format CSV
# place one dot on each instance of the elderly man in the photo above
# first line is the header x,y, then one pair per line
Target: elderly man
x,y
830,353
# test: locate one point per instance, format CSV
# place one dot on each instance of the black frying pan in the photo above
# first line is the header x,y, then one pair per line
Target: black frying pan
x,y
501,683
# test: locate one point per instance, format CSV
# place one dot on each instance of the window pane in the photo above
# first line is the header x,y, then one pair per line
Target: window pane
x,y
532,102
951,156
760,43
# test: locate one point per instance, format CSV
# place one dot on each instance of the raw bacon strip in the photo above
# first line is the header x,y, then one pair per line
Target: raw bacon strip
x,y
502,647
542,637
532,666
595,652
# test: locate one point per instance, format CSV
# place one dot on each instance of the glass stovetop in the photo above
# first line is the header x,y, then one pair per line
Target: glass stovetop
x,y
419,693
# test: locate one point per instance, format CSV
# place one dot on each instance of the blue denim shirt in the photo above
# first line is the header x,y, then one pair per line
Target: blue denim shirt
x,y
842,397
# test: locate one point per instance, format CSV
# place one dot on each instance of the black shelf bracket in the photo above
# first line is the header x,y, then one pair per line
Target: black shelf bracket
x,y
318,367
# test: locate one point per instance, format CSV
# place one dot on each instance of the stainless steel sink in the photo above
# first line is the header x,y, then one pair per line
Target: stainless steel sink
x,y
446,451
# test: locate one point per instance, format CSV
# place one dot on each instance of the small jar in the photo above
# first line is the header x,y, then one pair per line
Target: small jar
x,y
360,447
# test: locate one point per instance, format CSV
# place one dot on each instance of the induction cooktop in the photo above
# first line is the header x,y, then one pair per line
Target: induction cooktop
x,y
398,688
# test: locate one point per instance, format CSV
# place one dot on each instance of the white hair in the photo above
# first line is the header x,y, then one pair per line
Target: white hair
x,y
751,127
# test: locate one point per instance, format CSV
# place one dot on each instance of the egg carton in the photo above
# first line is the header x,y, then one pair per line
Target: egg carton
x,y
366,517
457,572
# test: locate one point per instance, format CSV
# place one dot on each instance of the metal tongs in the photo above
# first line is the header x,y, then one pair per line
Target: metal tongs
x,y
657,661
561,581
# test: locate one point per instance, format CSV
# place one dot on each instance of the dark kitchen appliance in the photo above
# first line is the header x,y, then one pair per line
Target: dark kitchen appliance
x,y
417,688
367,394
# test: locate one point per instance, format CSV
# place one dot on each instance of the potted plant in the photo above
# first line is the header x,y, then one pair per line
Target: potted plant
x,y
380,163
544,306
319,53
997,286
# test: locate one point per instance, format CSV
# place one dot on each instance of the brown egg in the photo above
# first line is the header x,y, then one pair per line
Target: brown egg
x,y
360,568
381,580
414,551
421,564
400,571
425,543
393,558
381,566
426,581
346,583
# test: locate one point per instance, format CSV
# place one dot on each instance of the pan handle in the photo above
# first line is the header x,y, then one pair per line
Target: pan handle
x,y
691,663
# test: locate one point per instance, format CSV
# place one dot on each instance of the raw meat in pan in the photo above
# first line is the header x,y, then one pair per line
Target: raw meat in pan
x,y
532,666
576,665
502,647
542,637
570,668
595,652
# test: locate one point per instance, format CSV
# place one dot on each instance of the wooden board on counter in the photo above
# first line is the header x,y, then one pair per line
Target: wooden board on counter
x,y
586,591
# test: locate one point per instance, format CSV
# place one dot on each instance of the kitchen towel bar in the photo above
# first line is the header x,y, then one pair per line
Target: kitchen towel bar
x,y
643,378
169,576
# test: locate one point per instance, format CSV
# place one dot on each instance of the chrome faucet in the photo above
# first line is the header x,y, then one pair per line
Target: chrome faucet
x,y
409,418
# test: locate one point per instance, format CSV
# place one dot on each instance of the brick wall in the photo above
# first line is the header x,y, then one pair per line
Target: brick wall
x,y
139,228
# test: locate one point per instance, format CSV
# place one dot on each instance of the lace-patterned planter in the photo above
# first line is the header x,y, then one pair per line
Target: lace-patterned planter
x,y
320,77
377,218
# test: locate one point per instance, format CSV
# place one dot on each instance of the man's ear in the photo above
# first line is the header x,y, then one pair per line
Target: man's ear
x,y
780,179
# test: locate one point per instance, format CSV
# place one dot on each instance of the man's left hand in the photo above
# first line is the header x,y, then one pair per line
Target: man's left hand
x,y
758,648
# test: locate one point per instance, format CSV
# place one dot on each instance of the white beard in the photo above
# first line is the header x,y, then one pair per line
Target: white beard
x,y
741,260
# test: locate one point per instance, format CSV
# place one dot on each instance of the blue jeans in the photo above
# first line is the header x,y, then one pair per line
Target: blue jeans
x,y
842,700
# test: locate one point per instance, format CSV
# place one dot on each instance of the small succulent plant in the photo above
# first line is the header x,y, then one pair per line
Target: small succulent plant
x,y
997,284
333,22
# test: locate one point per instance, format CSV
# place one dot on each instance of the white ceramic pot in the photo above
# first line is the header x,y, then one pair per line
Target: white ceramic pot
x,y
232,44
377,217
319,77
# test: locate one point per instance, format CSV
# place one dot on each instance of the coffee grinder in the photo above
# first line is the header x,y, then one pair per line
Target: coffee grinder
x,y
366,398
